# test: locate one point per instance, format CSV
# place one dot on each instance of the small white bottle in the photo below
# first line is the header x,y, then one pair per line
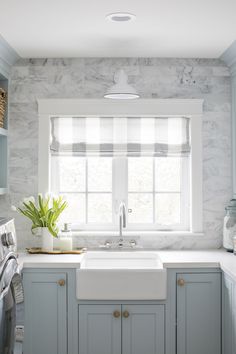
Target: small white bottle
x,y
65,242
229,230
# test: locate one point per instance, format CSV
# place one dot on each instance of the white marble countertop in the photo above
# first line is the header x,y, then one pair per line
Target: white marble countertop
x,y
27,260
171,259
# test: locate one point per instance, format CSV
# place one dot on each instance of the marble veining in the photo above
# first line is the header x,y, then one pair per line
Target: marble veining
x,y
207,79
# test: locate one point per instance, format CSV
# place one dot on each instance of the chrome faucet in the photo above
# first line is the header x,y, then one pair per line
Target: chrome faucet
x,y
122,223
121,244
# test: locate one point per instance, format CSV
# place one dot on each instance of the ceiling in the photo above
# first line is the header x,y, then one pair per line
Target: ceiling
x,y
78,28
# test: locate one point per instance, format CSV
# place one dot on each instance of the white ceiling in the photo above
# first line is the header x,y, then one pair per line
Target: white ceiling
x,y
78,28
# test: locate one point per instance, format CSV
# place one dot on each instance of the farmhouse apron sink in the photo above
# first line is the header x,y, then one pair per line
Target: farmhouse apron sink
x,y
121,276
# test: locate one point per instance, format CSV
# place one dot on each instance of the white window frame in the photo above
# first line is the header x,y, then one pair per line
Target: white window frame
x,y
184,200
191,108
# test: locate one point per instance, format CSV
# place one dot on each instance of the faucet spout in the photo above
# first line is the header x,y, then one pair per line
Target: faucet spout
x,y
122,222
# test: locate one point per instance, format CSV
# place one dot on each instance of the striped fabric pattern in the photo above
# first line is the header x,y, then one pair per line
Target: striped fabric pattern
x,y
120,136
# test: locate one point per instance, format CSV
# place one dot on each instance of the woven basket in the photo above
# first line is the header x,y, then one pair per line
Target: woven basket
x,y
3,103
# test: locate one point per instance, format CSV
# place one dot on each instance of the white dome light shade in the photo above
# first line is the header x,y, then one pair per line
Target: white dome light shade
x,y
121,89
120,17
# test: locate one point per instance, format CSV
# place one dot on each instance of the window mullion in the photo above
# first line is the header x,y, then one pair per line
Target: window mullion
x,y
55,176
154,189
114,189
125,184
86,190
184,193
120,184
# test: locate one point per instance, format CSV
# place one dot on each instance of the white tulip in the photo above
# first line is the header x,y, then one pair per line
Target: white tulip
x,y
25,200
21,204
31,199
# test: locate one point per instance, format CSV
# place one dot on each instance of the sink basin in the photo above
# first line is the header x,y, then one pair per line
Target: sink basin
x,y
121,276
121,260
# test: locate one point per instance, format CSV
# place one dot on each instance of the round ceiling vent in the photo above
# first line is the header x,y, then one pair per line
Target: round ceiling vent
x,y
120,17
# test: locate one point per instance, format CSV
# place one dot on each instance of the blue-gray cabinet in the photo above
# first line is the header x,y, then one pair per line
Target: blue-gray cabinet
x,y
4,140
126,329
45,313
143,329
229,315
7,58
198,313
187,322
100,329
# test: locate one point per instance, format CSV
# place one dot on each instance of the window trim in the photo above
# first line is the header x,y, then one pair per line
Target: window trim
x,y
192,108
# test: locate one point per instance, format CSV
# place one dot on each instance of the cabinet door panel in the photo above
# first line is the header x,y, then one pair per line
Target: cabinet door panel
x,y
143,330
227,311
99,330
45,314
199,314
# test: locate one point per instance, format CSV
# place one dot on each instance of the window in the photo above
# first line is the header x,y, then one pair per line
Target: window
x,y
152,162
97,162
86,183
158,191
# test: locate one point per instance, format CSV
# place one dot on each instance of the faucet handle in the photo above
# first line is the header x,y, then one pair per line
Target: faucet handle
x,y
133,243
108,244
120,243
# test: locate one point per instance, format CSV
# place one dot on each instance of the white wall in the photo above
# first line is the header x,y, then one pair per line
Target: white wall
x,y
154,78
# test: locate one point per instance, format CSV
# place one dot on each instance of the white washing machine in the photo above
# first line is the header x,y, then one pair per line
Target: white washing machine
x,y
11,292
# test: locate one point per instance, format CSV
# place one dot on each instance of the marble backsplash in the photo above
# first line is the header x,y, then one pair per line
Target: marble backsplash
x,y
208,79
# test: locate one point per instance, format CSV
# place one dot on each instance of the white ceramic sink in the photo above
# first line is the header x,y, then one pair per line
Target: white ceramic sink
x,y
121,276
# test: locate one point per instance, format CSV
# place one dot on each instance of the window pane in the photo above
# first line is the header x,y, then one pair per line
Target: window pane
x,y
99,174
141,205
167,174
140,171
75,212
167,208
71,174
99,208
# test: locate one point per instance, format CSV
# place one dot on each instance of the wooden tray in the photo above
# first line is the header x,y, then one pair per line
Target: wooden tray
x,y
37,250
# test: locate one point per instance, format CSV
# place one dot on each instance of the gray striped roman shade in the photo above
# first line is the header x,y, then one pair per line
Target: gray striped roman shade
x,y
121,136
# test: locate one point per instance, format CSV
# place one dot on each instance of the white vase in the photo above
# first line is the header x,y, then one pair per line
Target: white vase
x,y
47,239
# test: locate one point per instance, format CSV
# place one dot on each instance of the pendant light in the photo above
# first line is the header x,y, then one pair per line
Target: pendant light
x,y
121,89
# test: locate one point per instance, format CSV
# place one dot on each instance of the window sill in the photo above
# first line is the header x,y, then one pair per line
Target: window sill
x,y
137,233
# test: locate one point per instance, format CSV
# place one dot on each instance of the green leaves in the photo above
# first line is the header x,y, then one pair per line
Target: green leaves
x,y
45,213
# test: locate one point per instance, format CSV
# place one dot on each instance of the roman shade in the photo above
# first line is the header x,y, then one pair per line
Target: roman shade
x,y
121,136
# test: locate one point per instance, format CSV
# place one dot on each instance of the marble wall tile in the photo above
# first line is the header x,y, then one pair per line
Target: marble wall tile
x,y
208,79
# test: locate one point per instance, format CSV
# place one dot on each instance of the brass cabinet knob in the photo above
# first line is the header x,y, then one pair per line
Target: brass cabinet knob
x,y
125,314
181,282
116,314
61,282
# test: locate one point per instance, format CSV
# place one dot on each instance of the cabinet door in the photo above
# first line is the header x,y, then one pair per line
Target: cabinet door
x,y
233,314
228,316
143,329
45,313
99,329
199,313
